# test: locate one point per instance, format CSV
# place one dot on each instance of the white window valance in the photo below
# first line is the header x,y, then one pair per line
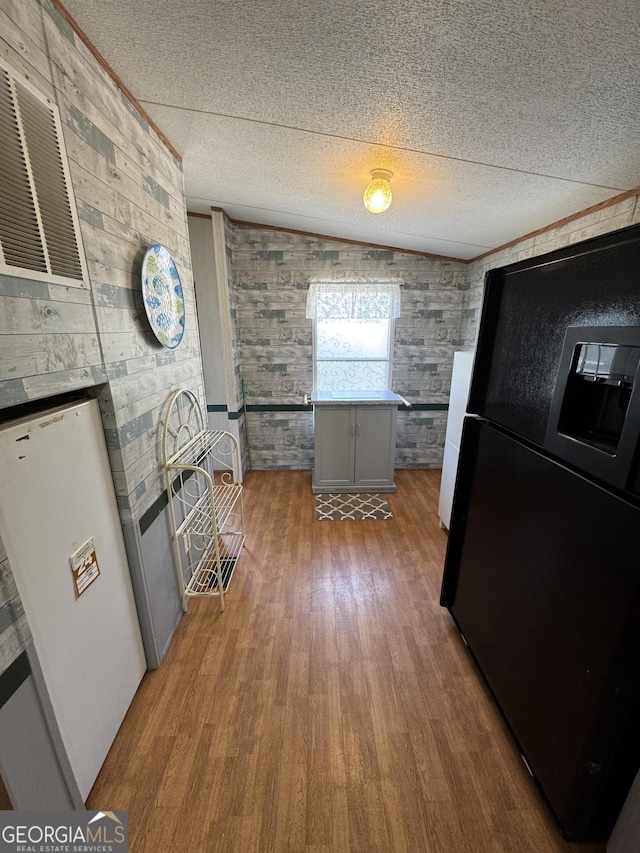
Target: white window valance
x,y
353,297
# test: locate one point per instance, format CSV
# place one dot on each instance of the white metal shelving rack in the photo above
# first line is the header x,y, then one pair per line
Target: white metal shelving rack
x,y
204,484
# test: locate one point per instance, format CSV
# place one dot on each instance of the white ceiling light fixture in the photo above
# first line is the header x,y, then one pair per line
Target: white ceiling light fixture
x,y
377,196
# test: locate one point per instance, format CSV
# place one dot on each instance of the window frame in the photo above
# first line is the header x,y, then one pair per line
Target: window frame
x,y
352,293
388,360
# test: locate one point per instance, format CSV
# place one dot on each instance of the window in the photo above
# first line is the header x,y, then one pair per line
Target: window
x,y
39,235
353,332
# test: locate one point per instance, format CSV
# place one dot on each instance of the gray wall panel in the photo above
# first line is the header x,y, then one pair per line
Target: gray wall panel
x,y
27,754
160,579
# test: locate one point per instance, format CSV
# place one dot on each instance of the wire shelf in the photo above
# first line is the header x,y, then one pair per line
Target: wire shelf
x,y
204,580
216,444
212,509
204,483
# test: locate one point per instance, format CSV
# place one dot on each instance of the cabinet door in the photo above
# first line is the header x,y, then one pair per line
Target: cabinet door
x,y
375,448
334,430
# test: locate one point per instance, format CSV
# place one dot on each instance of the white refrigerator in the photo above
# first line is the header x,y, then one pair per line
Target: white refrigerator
x,y
61,527
460,382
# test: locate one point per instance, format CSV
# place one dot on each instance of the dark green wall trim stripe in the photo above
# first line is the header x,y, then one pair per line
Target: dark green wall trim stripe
x,y
13,677
162,501
300,407
233,416
427,407
280,407
153,512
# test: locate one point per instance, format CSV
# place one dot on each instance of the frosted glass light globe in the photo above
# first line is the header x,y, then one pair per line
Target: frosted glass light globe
x,y
377,196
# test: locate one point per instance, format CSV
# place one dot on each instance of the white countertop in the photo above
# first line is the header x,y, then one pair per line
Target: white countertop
x,y
348,398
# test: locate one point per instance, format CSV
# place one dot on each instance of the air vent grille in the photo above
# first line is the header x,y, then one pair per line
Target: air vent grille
x,y
38,229
19,228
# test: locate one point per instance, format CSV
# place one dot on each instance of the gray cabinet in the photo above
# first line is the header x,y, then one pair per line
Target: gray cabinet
x,y
354,448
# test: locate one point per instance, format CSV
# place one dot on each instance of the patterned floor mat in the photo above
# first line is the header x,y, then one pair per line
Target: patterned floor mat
x,y
351,507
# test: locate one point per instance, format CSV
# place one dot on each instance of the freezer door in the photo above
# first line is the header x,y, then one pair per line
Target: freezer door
x,y
542,579
594,421
527,309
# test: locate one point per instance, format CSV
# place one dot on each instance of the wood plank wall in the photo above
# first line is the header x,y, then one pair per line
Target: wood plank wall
x,y
271,270
129,192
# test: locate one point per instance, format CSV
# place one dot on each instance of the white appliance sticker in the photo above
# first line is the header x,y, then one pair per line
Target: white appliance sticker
x,y
84,566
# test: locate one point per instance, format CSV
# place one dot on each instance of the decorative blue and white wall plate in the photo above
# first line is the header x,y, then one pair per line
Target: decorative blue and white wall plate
x,y
162,295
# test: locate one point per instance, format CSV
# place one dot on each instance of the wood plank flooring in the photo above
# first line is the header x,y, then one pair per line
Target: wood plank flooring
x,y
332,707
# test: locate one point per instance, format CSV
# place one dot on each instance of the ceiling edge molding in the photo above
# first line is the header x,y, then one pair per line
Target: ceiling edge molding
x,y
330,237
57,5
557,224
616,199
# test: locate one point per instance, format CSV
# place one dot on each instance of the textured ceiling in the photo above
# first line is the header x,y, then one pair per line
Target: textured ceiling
x,y
497,117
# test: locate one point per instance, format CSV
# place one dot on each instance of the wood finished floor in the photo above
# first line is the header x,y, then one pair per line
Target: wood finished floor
x,y
332,707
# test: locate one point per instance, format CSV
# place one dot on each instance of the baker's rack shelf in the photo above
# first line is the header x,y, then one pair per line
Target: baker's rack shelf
x,y
204,484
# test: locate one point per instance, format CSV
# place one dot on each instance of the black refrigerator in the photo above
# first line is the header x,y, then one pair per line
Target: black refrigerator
x,y
542,574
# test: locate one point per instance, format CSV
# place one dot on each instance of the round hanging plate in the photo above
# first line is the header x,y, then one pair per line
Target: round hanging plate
x,y
162,295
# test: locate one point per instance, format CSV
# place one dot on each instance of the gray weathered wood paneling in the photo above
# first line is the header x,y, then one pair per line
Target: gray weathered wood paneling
x,y
270,283
129,193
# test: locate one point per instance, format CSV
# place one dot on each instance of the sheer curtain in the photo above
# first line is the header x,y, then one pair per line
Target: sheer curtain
x,y
357,297
353,331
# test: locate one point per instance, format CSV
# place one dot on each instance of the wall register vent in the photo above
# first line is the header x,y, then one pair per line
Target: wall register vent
x,y
39,233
